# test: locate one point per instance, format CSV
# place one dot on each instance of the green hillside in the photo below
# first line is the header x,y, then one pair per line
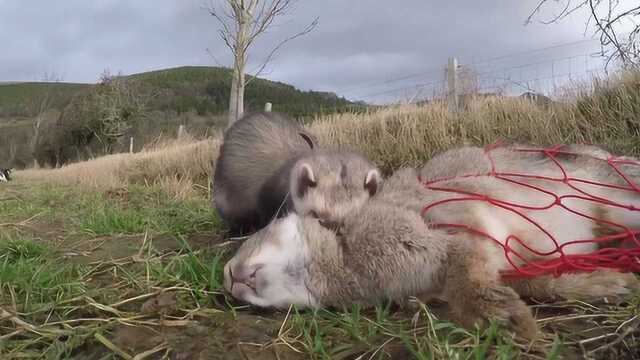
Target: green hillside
x,y
195,97
202,89
25,99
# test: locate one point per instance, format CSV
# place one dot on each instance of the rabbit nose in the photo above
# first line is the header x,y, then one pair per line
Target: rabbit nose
x,y
244,274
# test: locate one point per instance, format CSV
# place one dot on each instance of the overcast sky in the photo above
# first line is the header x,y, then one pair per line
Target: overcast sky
x,y
360,48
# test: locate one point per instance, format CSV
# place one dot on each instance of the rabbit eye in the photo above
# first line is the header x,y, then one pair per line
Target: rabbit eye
x,y
313,214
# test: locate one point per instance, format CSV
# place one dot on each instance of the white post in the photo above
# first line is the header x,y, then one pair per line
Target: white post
x,y
452,84
180,131
131,145
267,107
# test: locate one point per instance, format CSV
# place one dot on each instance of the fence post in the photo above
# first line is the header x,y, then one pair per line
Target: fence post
x,y
267,107
180,131
452,84
131,145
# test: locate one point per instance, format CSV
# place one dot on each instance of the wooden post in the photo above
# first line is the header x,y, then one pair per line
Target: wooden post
x,y
267,107
131,145
180,131
452,84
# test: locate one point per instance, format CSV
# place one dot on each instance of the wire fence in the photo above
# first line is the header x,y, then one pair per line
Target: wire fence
x,y
553,71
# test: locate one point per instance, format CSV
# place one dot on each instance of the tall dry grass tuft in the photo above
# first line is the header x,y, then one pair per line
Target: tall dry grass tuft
x,y
410,135
395,136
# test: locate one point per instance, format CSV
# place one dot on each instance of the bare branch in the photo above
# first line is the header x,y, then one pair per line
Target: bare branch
x,y
624,49
215,59
606,37
535,11
269,57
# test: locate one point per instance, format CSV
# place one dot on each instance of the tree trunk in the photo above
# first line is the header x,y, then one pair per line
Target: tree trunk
x,y
236,97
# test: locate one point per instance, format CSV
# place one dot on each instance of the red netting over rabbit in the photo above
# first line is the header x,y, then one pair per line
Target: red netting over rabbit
x,y
557,257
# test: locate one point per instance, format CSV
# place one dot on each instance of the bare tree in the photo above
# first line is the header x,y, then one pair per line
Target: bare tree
x,y
241,23
44,105
608,17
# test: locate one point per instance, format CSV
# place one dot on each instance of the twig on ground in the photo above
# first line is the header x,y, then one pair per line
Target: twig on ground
x,y
111,346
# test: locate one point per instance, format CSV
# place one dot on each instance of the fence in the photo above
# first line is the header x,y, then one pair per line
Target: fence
x,y
549,71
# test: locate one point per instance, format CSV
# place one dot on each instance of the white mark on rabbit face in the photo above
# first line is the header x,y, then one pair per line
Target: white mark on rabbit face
x,y
269,268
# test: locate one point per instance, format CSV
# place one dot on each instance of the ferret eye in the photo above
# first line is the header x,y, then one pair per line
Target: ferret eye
x,y
313,214
331,225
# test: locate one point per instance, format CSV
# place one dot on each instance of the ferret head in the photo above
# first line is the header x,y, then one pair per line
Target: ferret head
x,y
331,185
269,269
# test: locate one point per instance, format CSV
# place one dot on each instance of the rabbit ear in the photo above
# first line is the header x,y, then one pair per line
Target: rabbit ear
x,y
372,181
303,179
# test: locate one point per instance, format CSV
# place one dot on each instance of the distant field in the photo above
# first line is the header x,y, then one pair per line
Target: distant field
x,y
23,99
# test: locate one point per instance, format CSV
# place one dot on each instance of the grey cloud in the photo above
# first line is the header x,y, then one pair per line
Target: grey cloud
x,y
357,46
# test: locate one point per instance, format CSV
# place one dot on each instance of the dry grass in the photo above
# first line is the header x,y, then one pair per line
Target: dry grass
x,y
393,137
410,135
181,167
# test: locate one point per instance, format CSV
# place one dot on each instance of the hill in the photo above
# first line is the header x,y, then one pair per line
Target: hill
x,y
25,99
206,90
193,96
200,89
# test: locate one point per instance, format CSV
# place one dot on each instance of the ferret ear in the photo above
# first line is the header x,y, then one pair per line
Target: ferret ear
x,y
372,181
304,179
308,139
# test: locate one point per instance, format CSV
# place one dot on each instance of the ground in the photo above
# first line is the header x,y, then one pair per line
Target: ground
x,y
135,274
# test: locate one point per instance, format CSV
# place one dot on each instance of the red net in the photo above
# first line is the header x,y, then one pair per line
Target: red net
x,y
623,257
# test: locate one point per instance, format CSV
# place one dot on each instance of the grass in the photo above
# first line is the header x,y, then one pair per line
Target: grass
x,y
63,299
60,308
189,164
130,210
116,256
34,280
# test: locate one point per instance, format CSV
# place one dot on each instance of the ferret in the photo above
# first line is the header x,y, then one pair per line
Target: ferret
x,y
247,190
330,185
389,250
269,166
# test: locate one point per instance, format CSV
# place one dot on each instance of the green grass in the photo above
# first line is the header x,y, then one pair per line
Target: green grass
x,y
381,334
146,211
41,281
143,209
77,307
32,277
